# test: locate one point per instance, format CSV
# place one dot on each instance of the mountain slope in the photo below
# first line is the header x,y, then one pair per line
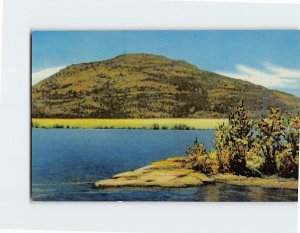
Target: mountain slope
x,y
149,86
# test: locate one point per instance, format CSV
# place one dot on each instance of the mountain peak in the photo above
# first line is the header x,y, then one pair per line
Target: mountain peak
x,y
142,85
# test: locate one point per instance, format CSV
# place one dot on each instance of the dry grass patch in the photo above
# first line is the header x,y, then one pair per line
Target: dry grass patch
x,y
269,182
92,123
165,173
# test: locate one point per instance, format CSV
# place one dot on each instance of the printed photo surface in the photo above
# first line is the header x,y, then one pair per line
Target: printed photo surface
x,y
164,115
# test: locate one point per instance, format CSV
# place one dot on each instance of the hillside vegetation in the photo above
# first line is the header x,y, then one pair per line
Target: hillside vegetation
x,y
149,86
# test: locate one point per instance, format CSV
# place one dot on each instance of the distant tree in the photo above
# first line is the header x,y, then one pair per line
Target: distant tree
x,y
165,127
155,126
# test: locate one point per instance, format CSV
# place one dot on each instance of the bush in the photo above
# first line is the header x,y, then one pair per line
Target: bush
x,y
288,166
165,127
181,127
221,145
196,156
156,126
288,160
270,134
254,156
58,126
224,160
211,165
199,160
197,149
233,141
35,124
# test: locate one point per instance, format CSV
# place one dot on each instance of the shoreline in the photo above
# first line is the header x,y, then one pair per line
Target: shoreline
x,y
142,124
170,173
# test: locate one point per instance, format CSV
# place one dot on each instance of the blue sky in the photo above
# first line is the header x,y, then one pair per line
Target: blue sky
x,y
268,58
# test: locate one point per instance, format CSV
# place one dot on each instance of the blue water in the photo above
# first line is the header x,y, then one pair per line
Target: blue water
x,y
66,162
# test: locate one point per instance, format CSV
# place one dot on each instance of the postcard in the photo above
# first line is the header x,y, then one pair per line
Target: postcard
x,y
165,115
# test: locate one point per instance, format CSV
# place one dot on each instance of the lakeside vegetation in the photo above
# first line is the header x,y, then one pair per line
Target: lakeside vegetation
x,y
262,153
160,123
266,147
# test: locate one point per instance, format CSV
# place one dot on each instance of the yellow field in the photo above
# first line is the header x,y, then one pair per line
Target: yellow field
x,y
162,123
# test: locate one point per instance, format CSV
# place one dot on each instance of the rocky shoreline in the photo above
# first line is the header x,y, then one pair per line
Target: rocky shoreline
x,y
170,173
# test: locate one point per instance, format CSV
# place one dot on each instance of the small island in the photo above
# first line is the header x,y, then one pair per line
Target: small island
x,y
247,153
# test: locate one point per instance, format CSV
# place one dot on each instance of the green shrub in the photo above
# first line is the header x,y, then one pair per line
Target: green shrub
x,y
222,147
155,126
181,127
35,124
254,156
240,140
199,160
270,134
288,160
211,165
224,160
196,156
234,141
288,165
58,126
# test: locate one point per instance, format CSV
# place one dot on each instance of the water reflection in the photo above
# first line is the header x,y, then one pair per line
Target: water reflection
x,y
224,192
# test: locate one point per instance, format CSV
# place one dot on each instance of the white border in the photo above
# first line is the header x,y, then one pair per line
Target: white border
x,y
16,210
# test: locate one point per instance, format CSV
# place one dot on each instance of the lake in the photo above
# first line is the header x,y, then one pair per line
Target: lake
x,y
66,163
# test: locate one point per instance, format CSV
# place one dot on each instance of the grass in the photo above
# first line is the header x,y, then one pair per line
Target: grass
x,y
156,123
268,182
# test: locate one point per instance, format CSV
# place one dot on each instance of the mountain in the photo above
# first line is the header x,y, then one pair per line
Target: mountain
x,y
149,86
